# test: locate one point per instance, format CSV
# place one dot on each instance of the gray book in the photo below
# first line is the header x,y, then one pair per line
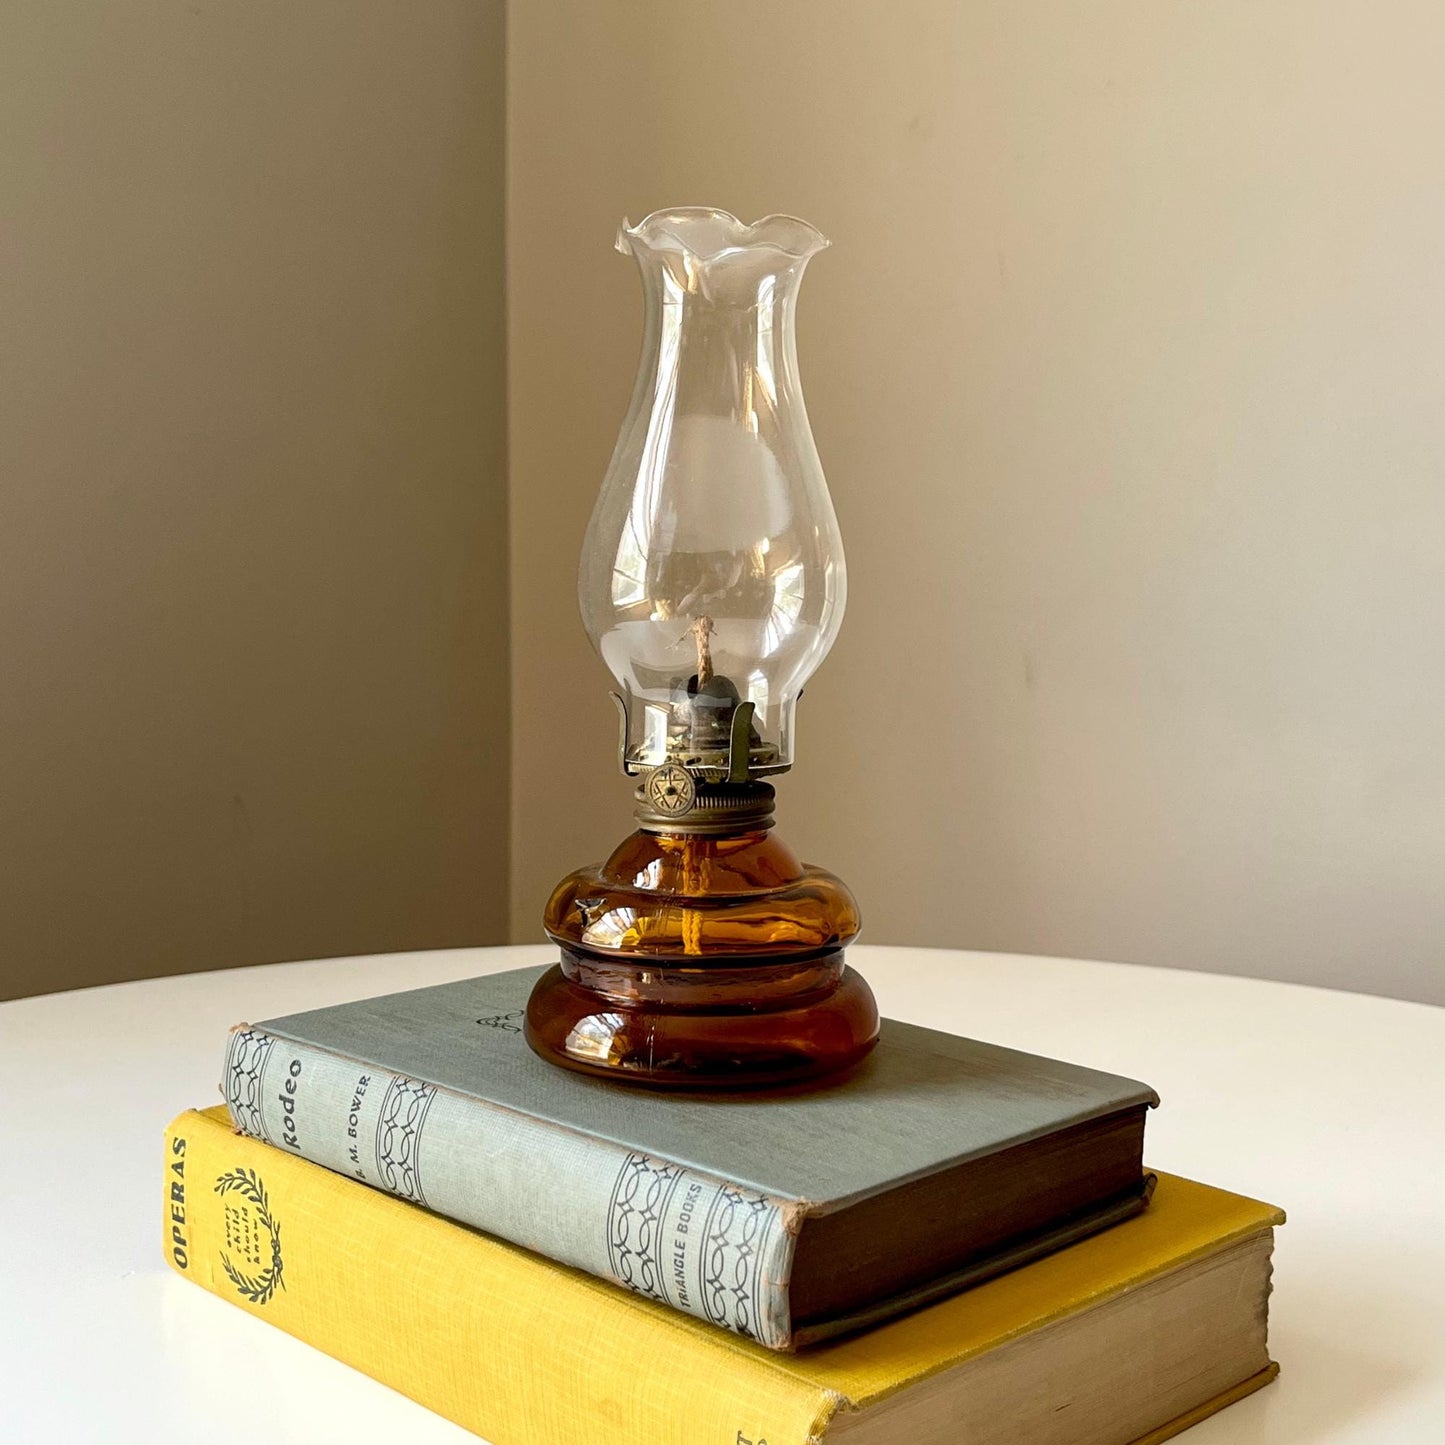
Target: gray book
x,y
787,1217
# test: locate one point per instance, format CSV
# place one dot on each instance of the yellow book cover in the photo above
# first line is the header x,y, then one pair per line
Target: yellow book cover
x,y
526,1352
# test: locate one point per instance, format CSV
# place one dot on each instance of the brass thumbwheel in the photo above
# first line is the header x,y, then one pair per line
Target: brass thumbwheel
x,y
671,790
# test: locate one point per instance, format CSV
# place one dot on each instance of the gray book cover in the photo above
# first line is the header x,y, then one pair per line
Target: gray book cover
x,y
696,1200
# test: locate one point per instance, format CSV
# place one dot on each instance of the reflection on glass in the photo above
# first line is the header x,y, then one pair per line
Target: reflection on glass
x,y
594,1037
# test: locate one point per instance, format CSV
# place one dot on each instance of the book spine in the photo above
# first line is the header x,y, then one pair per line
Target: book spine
x,y
706,1246
516,1348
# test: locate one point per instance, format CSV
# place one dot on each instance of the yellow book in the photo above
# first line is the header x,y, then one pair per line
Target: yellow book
x,y
1128,1336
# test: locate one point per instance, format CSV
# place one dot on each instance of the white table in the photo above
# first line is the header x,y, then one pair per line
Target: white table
x,y
1330,1104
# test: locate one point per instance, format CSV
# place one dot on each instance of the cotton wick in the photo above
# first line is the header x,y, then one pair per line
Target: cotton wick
x,y
702,631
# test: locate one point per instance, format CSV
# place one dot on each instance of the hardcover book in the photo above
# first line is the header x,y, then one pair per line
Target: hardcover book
x,y
940,1162
1130,1335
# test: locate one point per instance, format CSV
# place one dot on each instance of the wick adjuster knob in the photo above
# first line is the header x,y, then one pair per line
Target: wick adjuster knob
x,y
670,790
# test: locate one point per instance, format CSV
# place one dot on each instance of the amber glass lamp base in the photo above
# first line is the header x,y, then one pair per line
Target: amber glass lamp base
x,y
746,1027
702,962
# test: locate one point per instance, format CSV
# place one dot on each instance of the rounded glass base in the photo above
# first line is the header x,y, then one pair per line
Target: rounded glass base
x,y
740,1025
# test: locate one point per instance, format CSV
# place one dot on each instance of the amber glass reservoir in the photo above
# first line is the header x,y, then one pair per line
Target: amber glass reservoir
x,y
706,961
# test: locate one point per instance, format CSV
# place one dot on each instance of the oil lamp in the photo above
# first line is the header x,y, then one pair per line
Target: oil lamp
x,y
712,584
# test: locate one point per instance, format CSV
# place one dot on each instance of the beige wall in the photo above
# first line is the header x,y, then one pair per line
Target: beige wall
x,y
1127,369
252,519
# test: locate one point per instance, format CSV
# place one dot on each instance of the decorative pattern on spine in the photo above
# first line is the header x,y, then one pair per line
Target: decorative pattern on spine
x,y
738,1226
245,1063
706,1246
640,1200
398,1137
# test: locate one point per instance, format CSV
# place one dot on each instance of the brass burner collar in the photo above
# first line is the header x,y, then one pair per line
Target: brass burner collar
x,y
670,799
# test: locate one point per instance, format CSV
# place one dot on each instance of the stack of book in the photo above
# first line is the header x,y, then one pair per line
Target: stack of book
x,y
958,1242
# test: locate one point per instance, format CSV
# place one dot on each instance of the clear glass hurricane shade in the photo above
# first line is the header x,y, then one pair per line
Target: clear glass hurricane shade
x,y
712,572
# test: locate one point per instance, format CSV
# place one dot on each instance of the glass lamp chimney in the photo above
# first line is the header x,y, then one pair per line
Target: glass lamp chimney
x,y
712,580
